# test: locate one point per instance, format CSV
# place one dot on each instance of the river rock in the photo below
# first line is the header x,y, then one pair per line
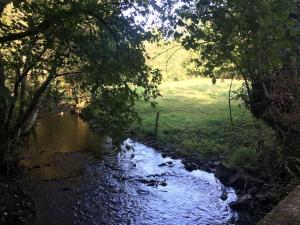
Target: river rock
x,y
48,164
211,166
253,190
143,192
20,205
65,189
243,203
34,167
153,183
189,166
267,198
149,182
234,178
163,183
164,155
245,181
119,178
223,173
224,195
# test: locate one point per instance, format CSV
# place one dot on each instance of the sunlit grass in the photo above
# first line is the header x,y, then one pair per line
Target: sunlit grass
x,y
194,116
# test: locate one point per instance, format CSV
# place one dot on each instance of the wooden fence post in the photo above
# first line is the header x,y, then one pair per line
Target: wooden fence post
x,y
156,125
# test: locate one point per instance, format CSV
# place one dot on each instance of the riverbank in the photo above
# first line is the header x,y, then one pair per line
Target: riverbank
x,y
258,188
195,125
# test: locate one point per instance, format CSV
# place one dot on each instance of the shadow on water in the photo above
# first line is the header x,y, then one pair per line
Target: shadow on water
x,y
133,186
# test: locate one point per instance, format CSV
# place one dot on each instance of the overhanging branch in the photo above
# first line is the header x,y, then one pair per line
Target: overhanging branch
x,y
20,35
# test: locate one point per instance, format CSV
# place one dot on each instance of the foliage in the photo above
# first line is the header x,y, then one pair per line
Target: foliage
x,y
90,49
258,40
249,37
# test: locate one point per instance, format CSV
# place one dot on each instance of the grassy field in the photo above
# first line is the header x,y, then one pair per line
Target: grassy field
x,y
194,116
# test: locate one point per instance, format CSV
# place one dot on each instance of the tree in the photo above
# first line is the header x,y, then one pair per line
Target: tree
x,y
90,44
258,40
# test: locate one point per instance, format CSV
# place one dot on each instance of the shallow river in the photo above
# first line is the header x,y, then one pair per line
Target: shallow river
x,y
75,177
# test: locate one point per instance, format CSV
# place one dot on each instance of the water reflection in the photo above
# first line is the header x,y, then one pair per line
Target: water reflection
x,y
66,133
54,147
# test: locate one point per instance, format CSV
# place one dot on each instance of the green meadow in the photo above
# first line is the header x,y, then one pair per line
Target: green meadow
x,y
194,117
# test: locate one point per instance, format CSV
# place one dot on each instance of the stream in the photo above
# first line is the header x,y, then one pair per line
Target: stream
x,y
75,176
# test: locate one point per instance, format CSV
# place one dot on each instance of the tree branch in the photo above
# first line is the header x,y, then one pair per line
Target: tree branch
x,y
112,34
159,54
245,79
20,77
22,120
20,35
173,53
266,93
69,73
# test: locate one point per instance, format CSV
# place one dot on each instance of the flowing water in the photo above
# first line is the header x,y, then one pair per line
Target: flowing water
x,y
76,177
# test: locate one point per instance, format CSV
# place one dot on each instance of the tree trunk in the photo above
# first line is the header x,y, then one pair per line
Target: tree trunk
x,y
32,120
276,102
11,106
33,105
22,97
3,106
2,152
2,111
2,89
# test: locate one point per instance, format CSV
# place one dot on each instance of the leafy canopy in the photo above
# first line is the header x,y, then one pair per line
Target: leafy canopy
x,y
92,46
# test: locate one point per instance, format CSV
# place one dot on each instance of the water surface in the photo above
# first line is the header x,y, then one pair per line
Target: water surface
x,y
76,177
